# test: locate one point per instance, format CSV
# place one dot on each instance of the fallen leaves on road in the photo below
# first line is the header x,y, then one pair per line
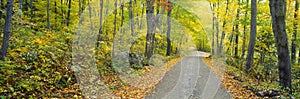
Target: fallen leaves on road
x,y
232,86
141,85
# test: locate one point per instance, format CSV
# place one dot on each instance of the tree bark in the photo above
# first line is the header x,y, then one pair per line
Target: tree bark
x,y
236,49
115,25
150,28
169,46
217,28
278,13
62,12
212,6
101,27
244,31
48,14
131,18
69,12
6,29
220,47
293,54
251,45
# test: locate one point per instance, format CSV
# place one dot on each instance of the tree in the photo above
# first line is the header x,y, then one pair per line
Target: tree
x,y
236,51
131,17
244,30
278,13
293,55
101,27
252,36
220,47
150,29
169,46
7,31
48,14
212,6
69,12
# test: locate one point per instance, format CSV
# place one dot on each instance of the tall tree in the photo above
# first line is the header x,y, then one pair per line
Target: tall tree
x,y
252,36
101,27
217,26
169,46
278,13
69,12
131,17
115,24
150,28
244,30
293,55
236,49
48,14
5,40
212,6
220,47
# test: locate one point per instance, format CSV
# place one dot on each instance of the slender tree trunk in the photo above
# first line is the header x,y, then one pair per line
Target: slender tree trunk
x,y
69,12
31,11
115,18
293,55
115,24
1,4
62,11
169,46
223,32
150,27
131,17
212,6
299,56
245,29
20,9
80,5
141,21
236,49
252,36
101,27
217,28
55,11
48,14
5,41
90,17
278,13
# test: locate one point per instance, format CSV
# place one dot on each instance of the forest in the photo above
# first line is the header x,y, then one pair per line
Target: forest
x,y
126,48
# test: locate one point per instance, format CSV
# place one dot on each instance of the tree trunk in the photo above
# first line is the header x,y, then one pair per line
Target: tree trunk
x,y
6,29
278,13
293,55
31,11
252,36
1,4
48,14
90,16
217,28
244,31
169,46
69,12
236,49
101,27
55,11
299,57
62,12
131,18
220,47
20,9
213,27
150,29
80,5
115,24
